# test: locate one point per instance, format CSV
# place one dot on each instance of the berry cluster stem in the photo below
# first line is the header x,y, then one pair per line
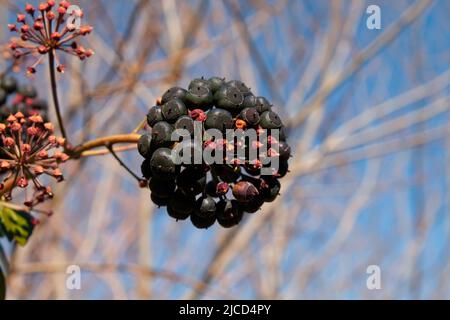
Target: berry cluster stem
x,y
51,60
104,142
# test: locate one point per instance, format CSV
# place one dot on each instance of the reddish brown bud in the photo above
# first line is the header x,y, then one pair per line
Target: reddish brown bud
x,y
244,191
4,165
50,15
9,142
12,27
22,182
240,124
222,188
29,9
26,148
38,170
20,18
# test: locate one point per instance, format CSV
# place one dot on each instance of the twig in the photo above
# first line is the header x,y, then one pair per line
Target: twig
x,y
51,66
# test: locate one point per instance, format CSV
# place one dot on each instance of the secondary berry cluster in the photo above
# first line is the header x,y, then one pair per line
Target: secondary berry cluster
x,y
210,192
24,98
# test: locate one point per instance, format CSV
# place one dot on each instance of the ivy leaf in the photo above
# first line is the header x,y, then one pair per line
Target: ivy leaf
x,y
16,225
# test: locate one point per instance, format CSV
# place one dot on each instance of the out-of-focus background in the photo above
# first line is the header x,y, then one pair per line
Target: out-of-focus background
x,y
368,116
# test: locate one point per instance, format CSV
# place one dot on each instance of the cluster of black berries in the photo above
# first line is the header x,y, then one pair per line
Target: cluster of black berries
x,y
24,98
210,192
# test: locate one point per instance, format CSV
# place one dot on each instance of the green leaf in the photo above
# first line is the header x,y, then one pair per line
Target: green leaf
x,y
16,225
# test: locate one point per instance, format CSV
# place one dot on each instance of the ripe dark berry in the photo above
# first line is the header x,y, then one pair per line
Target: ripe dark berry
x,y
3,96
180,206
228,173
253,206
219,119
270,120
283,134
284,150
205,207
250,115
28,91
160,202
173,109
211,189
229,213
283,168
215,83
154,115
162,134
186,123
240,86
145,145
191,181
162,165
245,191
262,105
174,93
249,101
199,94
252,169
146,170
202,222
272,189
162,188
229,98
9,84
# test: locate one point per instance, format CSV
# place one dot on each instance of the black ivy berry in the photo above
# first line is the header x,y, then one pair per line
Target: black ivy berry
x,y
162,165
229,213
159,201
173,109
270,120
146,170
262,105
254,205
180,206
144,145
202,222
243,89
249,101
191,181
186,123
162,134
205,207
215,83
229,98
219,119
174,93
154,115
284,150
283,168
162,188
199,94
250,115
271,190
